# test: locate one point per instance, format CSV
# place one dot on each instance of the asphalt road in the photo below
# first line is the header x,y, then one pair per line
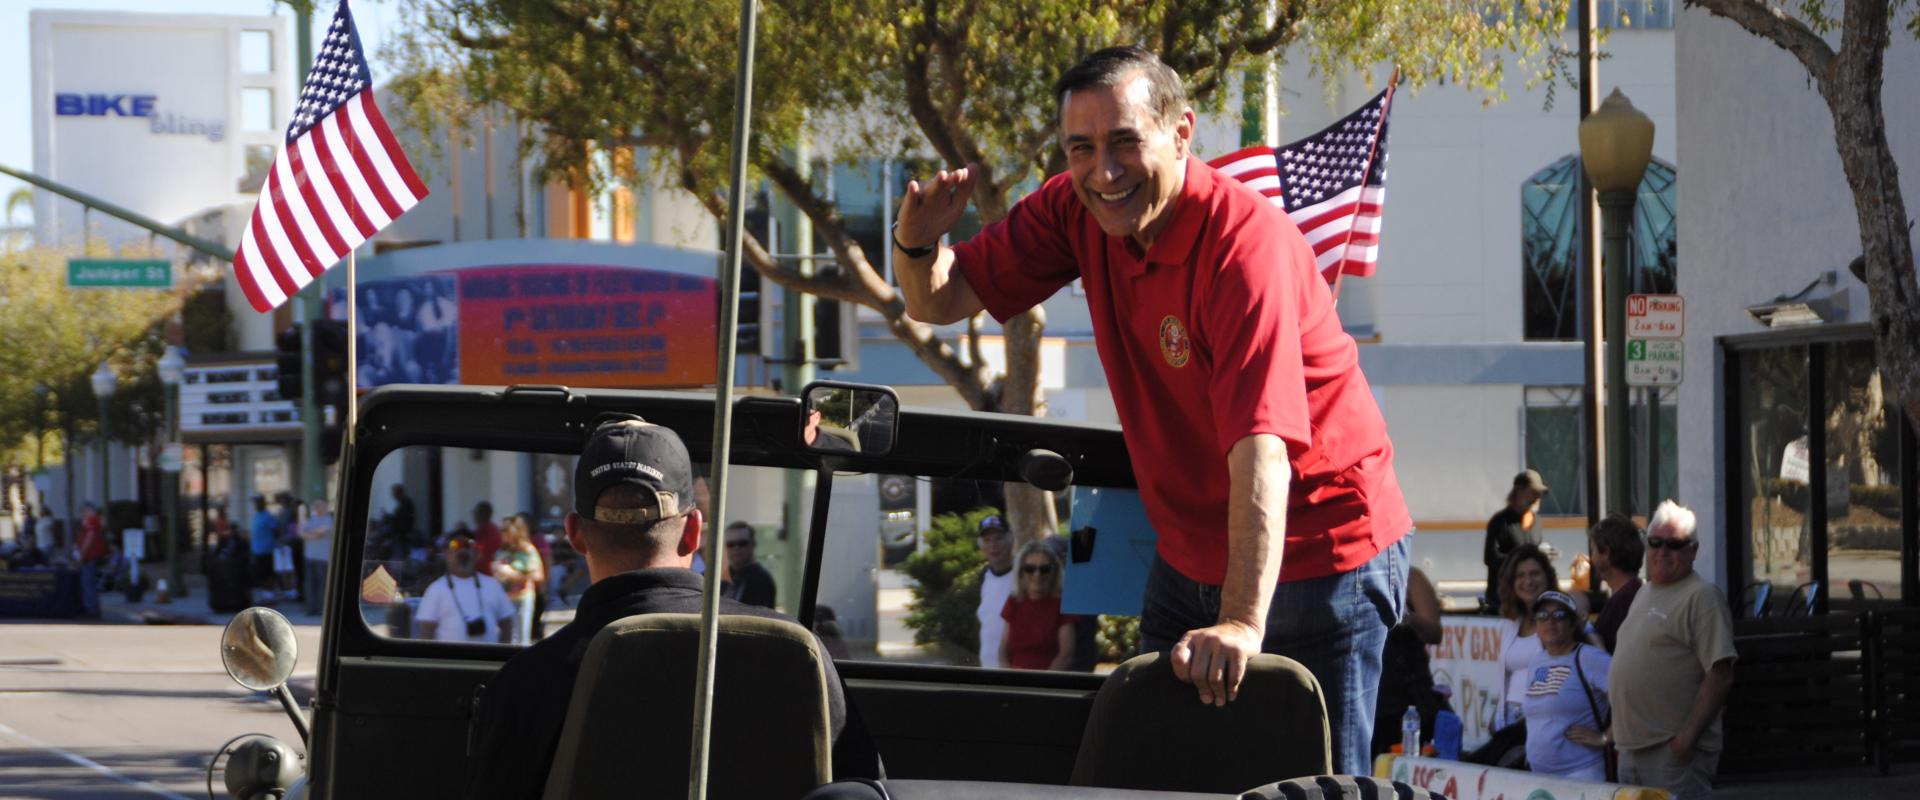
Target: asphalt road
x,y
124,711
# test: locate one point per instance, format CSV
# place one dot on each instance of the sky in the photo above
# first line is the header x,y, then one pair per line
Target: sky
x,y
374,18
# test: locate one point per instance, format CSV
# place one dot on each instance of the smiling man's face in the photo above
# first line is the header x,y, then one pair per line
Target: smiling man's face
x,y
1125,165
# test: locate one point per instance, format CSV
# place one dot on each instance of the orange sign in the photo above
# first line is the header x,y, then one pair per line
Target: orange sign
x,y
610,327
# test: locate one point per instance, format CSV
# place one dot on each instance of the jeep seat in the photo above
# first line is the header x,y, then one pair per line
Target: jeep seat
x,y
1148,730
630,721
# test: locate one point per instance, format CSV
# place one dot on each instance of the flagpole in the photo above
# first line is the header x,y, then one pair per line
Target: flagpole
x,y
1373,152
353,352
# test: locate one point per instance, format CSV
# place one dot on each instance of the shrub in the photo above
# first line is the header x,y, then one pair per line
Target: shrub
x,y
946,586
1118,638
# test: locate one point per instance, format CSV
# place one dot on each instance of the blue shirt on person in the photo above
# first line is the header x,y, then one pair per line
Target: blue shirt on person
x,y
266,533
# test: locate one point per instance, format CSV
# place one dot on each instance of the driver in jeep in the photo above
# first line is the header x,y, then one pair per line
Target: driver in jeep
x,y
636,523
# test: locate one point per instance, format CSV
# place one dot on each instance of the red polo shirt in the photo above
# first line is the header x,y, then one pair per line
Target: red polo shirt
x,y
1222,330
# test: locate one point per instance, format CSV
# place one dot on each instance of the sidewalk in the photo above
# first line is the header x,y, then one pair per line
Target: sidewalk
x,y
115,609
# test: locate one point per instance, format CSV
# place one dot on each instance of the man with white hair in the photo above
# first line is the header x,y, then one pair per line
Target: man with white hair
x,y
1673,667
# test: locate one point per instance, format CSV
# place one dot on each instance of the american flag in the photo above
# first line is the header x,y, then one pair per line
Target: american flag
x,y
1548,680
1333,184
339,180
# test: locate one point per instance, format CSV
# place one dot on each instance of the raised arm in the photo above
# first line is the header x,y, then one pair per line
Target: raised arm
x,y
934,291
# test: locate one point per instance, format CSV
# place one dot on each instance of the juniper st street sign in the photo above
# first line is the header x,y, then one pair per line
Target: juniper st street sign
x,y
119,273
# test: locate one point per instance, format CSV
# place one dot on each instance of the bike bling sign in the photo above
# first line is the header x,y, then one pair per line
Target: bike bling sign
x,y
119,273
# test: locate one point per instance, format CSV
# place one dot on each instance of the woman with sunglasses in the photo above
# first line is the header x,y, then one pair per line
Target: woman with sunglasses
x,y
1038,635
1565,701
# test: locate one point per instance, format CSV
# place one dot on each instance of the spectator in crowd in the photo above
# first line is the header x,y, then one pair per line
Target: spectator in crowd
x,y
402,528
286,548
1509,528
1406,674
295,575
264,535
635,522
1526,574
518,568
1673,667
90,547
751,583
463,605
1618,551
1566,694
486,536
30,529
826,625
996,585
227,564
1038,635
544,546
316,535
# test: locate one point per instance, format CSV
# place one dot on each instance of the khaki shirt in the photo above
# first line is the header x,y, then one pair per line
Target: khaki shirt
x,y
1672,635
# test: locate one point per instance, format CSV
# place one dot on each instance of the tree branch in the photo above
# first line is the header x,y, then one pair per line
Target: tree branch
x,y
1776,26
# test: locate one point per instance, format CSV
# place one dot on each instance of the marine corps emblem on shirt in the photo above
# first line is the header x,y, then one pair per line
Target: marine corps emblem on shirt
x,y
1174,346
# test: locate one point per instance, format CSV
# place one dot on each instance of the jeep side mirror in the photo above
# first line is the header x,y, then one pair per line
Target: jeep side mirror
x,y
848,418
258,648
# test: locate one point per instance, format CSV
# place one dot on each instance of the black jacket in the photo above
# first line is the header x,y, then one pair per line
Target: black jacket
x,y
516,723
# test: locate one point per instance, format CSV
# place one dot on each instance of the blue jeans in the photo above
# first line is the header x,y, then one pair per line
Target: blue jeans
x,y
1335,626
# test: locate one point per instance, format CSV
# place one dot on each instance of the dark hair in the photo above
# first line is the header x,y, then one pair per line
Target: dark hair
x,y
1626,547
1107,68
741,525
1510,606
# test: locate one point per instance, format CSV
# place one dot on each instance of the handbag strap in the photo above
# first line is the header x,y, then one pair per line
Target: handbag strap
x,y
1587,689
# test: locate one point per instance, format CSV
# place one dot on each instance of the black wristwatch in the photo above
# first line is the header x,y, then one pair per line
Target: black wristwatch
x,y
911,252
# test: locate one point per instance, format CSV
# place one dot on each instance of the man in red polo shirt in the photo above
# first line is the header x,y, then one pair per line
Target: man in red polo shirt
x,y
1255,435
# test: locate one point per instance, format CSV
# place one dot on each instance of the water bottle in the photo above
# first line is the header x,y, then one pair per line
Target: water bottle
x,y
1410,732
1446,735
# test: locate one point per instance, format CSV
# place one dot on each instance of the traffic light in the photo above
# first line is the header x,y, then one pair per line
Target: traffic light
x,y
330,383
286,358
752,338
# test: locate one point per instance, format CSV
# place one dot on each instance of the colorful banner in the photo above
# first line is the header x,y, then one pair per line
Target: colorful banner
x,y
583,326
1461,781
586,326
1468,660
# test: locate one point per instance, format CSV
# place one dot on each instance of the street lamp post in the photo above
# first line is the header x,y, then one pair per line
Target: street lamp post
x,y
1616,142
104,382
172,368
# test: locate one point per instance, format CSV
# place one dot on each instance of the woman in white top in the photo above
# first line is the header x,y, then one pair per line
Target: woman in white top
x,y
1526,574
1565,699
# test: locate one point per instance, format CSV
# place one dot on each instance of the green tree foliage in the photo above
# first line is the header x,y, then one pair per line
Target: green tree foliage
x,y
55,337
964,81
968,82
946,586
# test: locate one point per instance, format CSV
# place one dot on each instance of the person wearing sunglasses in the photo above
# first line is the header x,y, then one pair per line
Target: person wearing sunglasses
x,y
1673,667
1565,701
1038,635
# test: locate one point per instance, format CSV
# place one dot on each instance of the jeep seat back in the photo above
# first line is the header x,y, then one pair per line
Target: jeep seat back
x,y
1148,730
630,721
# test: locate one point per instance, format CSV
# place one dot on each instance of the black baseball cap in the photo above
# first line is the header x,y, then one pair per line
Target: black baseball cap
x,y
993,522
625,449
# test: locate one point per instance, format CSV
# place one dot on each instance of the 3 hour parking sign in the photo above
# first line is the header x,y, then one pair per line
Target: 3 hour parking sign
x,y
1655,323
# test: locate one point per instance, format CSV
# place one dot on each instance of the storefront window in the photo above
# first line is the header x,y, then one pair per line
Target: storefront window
x,y
1773,469
1863,481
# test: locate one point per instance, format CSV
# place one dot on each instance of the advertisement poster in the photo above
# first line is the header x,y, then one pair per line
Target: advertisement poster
x,y
1468,659
407,331
584,326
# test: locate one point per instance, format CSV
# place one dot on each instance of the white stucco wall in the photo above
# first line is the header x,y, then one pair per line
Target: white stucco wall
x,y
1764,209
